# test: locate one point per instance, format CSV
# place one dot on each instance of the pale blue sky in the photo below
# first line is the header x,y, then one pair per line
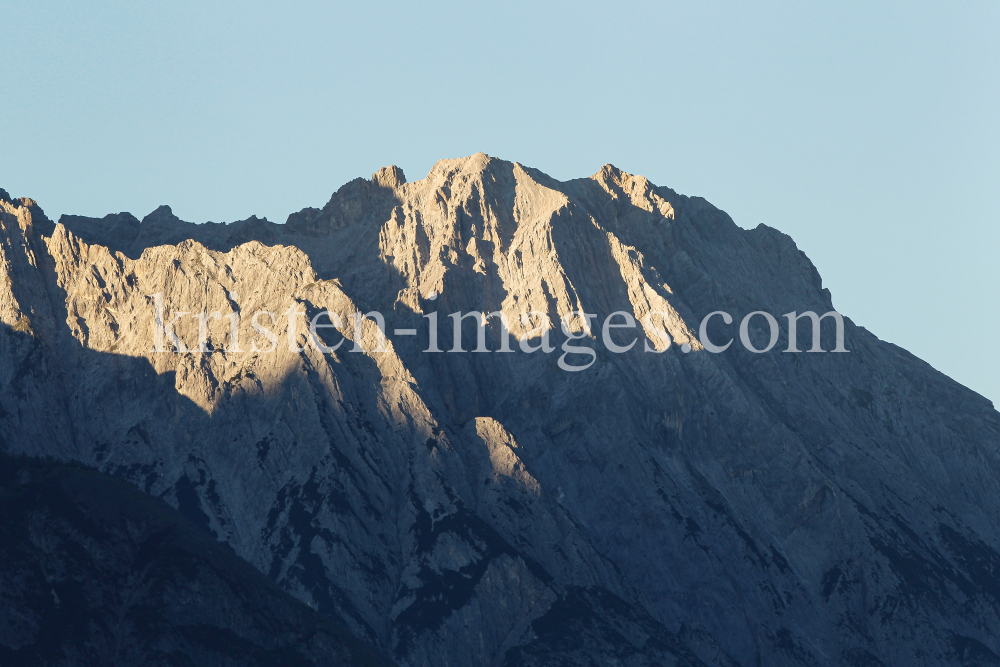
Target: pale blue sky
x,y
869,132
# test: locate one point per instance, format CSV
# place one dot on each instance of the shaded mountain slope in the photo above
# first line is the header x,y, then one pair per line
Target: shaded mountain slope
x,y
95,572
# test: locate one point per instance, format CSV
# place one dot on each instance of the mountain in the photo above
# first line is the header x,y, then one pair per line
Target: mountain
x,y
664,505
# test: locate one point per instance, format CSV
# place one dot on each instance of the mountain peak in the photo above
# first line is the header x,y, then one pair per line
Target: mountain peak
x,y
389,177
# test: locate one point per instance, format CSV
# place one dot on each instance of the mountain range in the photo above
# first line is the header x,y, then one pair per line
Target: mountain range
x,y
666,505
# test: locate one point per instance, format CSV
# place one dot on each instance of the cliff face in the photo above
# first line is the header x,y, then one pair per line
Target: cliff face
x,y
659,507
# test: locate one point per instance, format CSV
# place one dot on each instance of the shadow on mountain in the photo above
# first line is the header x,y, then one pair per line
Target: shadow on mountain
x,y
360,205
124,233
590,626
96,572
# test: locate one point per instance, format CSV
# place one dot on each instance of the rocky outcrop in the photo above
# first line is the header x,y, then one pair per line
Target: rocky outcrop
x,y
659,507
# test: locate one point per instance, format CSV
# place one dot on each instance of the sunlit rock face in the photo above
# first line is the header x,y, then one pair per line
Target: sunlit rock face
x,y
659,507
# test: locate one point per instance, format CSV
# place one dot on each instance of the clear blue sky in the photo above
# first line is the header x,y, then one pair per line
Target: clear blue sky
x,y
869,132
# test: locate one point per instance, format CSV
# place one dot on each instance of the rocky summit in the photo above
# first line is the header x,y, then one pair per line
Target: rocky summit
x,y
566,502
